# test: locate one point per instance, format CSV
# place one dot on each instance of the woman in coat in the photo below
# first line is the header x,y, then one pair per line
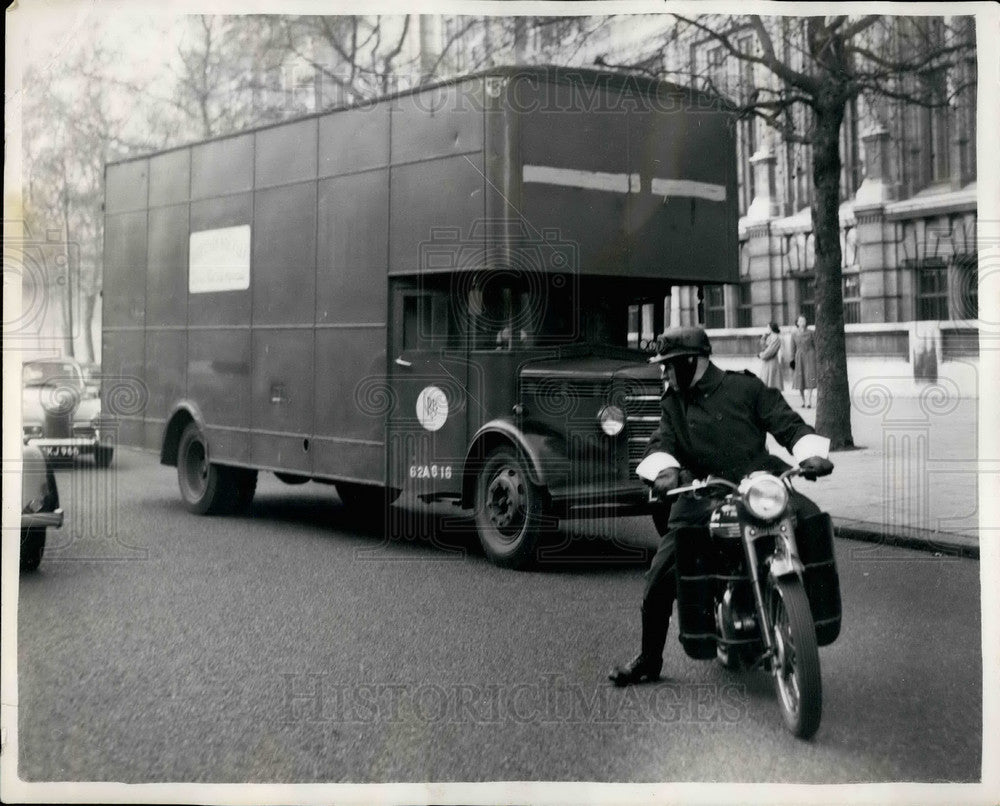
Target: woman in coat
x,y
770,358
803,361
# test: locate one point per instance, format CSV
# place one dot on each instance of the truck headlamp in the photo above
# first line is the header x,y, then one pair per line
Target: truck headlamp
x,y
765,496
612,420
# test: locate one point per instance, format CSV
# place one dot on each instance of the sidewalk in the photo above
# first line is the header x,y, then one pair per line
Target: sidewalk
x,y
914,479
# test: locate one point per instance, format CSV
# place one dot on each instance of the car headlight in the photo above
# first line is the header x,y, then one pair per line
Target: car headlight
x,y
765,496
612,420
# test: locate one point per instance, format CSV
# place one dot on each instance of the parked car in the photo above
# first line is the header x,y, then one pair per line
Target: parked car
x,y
61,415
39,505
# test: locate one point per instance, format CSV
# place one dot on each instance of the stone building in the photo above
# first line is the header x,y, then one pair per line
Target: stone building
x,y
908,215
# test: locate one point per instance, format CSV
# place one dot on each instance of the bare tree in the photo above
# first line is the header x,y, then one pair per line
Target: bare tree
x,y
70,131
837,59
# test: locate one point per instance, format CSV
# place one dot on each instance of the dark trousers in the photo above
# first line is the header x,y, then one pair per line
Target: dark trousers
x,y
661,579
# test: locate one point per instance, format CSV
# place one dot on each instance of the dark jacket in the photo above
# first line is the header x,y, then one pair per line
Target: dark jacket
x,y
719,427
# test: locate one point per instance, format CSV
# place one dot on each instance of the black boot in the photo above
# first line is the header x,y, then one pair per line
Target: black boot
x,y
641,670
647,665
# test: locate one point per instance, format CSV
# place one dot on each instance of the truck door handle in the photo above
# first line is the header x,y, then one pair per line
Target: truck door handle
x,y
403,362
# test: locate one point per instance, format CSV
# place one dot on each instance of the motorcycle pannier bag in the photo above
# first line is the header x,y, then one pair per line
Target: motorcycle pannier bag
x,y
695,588
814,537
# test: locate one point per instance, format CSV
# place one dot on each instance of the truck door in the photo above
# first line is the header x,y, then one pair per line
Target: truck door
x,y
427,430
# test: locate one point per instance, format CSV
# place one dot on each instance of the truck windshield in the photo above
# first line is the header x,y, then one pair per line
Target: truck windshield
x,y
505,311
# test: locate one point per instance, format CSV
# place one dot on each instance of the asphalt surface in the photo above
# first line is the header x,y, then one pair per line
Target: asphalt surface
x,y
301,645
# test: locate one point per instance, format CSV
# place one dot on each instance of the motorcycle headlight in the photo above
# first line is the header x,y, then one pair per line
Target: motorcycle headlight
x,y
766,497
612,420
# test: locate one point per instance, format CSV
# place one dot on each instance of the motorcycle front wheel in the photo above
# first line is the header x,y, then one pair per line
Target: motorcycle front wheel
x,y
796,659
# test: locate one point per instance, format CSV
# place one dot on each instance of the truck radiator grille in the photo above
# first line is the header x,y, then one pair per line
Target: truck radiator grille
x,y
642,416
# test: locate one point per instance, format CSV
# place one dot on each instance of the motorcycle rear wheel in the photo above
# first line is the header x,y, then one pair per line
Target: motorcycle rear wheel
x,y
796,662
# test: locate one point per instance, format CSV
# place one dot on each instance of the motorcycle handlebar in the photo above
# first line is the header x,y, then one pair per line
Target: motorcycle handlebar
x,y
716,481
701,484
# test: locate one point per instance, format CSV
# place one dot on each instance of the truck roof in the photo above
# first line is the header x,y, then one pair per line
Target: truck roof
x,y
552,73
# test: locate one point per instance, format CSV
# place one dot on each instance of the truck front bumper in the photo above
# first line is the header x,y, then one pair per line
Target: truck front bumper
x,y
599,500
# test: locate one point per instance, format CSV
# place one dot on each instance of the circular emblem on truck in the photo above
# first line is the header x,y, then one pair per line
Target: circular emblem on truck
x,y
432,408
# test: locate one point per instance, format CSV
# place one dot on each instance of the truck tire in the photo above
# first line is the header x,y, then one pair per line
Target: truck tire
x,y
207,488
509,510
32,547
244,483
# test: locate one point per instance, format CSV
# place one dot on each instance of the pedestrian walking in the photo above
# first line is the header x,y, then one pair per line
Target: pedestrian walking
x,y
803,362
770,358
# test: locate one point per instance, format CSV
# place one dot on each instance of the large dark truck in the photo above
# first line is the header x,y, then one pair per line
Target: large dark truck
x,y
427,294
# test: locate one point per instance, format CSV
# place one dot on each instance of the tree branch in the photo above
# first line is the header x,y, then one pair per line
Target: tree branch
x,y
859,26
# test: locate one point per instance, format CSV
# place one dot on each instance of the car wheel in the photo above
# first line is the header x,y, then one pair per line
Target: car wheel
x,y
32,547
103,456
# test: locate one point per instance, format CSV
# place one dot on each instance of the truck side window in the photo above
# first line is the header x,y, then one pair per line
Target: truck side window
x,y
427,322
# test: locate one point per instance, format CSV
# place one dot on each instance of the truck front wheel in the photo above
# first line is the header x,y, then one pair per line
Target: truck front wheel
x,y
509,510
207,488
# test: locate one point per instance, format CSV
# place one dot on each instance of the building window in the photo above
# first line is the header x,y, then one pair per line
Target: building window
x,y
851,285
715,306
744,310
932,291
807,298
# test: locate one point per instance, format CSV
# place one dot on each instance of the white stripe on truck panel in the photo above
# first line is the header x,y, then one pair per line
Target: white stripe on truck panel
x,y
621,183
570,177
685,187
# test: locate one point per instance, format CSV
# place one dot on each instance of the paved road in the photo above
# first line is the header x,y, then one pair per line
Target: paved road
x,y
300,645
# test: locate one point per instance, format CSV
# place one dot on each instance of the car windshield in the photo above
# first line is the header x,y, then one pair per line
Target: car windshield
x,y
51,372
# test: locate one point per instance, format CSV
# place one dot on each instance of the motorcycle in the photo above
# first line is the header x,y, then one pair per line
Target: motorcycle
x,y
758,588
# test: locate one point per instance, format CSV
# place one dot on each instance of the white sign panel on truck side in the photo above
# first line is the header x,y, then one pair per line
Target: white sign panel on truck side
x,y
219,260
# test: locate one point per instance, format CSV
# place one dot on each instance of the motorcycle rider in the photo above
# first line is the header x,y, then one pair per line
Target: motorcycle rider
x,y
712,422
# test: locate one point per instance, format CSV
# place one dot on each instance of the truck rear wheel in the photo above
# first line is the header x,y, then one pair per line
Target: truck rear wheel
x,y
207,488
509,510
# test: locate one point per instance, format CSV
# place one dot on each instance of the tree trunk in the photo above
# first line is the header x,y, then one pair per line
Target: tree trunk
x,y
833,405
87,324
68,298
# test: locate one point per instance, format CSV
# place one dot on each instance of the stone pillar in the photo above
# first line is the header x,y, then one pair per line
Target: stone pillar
x,y
764,267
877,187
765,201
675,307
879,302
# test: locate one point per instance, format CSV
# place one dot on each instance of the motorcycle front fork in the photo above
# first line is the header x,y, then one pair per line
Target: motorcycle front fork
x,y
750,537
